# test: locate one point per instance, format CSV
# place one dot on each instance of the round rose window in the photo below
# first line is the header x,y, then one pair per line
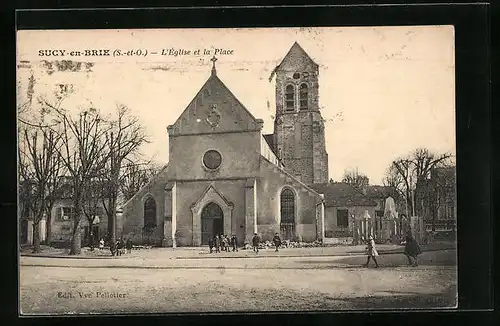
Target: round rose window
x,y
212,159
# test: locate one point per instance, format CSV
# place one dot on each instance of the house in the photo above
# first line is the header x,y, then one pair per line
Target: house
x,y
61,221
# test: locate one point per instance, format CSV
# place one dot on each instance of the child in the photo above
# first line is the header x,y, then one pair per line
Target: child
x,y
101,244
234,242
277,241
217,244
228,242
211,244
255,243
372,252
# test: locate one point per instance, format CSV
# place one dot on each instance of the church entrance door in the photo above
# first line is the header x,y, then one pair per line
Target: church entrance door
x,y
212,222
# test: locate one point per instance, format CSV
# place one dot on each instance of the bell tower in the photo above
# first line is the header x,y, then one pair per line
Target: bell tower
x,y
299,133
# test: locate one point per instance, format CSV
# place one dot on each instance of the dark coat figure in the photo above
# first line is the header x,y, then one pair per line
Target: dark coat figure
x,y
91,241
119,247
255,243
217,243
412,249
277,241
234,242
112,248
211,244
129,245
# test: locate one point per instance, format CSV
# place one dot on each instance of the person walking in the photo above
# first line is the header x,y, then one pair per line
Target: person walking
x,y
277,241
234,242
412,249
217,243
255,243
371,251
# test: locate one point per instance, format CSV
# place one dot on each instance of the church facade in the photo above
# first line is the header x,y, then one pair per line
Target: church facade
x,y
225,177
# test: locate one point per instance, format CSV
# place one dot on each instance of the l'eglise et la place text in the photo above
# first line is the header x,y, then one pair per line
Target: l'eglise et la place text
x,y
91,295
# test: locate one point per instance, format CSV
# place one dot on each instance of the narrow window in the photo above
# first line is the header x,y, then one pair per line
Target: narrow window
x,y
150,213
289,98
303,97
287,225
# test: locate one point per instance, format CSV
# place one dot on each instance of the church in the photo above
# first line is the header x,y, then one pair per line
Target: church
x,y
224,176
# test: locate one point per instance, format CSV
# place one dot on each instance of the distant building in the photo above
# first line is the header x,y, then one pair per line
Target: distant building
x,y
62,223
439,199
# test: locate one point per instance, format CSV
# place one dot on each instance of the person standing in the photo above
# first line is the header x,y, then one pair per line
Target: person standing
x,y
234,242
119,247
217,243
255,243
91,241
277,241
371,251
211,243
129,246
101,244
412,249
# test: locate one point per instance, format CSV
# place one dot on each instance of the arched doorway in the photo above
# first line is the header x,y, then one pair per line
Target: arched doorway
x,y
212,222
287,209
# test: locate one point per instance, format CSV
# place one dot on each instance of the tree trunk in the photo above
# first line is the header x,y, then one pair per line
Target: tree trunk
x,y
112,219
36,236
48,227
91,234
76,240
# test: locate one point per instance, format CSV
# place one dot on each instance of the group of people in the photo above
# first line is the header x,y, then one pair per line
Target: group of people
x,y
412,250
118,248
222,243
256,242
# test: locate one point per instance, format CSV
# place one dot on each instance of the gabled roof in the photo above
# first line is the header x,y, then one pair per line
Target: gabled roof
x,y
214,82
296,48
341,194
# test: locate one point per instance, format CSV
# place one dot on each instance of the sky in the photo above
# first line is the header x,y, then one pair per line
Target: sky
x,y
384,91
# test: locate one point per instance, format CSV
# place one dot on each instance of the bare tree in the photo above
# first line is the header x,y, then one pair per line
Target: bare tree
x,y
355,178
82,155
38,164
54,188
123,140
410,174
135,176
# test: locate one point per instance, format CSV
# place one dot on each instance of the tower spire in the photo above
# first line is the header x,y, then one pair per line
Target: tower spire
x,y
214,72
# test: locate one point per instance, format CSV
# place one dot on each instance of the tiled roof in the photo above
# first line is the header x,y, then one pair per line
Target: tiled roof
x,y
341,194
379,192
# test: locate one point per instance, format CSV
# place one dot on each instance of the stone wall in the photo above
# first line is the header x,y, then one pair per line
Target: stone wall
x,y
270,185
